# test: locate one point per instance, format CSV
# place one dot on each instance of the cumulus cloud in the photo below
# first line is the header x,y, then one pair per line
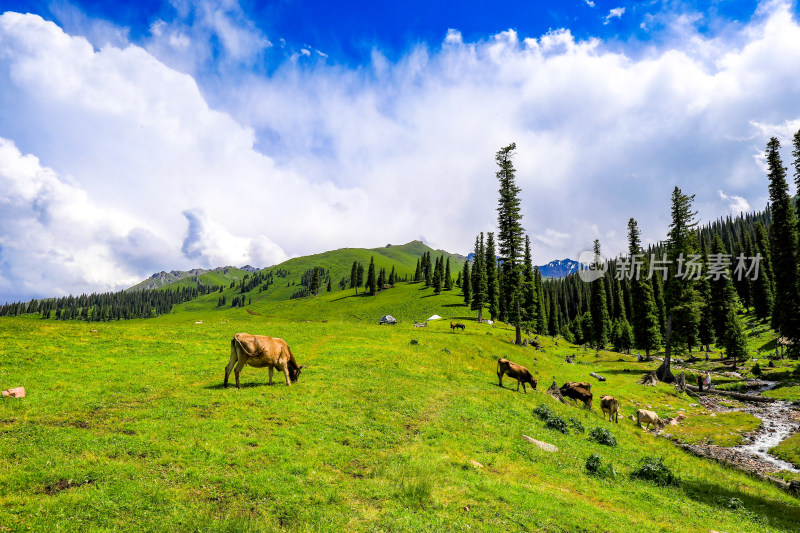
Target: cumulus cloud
x,y
322,156
616,12
736,204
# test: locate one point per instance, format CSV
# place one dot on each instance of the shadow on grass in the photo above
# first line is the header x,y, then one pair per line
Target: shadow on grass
x,y
248,385
753,508
454,305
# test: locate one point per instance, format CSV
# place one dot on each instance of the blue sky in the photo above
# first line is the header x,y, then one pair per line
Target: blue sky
x,y
136,137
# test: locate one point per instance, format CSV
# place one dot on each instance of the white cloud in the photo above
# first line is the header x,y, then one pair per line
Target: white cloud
x,y
736,204
589,3
617,12
323,156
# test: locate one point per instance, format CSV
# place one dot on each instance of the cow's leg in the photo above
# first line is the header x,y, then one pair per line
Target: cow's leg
x,y
500,377
231,364
270,374
517,385
238,369
286,373
523,388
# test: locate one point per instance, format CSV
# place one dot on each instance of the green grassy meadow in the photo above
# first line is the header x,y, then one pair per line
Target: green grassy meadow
x,y
130,428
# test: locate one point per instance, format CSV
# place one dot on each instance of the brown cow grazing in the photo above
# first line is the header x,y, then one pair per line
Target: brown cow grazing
x,y
582,384
571,390
648,417
518,372
610,405
457,325
260,351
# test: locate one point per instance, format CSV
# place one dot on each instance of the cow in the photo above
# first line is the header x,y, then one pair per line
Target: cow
x,y
582,384
610,405
518,372
259,351
648,417
457,326
572,390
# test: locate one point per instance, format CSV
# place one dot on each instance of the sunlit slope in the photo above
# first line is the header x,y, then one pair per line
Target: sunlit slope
x,y
129,428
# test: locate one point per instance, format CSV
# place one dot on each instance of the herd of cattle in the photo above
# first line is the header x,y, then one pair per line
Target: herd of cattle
x,y
580,391
260,351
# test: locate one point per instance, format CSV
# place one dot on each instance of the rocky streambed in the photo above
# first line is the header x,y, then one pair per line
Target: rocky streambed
x,y
779,420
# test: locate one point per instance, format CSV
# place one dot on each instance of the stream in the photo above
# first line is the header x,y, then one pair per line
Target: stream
x,y
779,420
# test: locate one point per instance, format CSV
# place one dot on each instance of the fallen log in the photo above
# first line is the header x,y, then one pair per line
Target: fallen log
x,y
735,395
597,376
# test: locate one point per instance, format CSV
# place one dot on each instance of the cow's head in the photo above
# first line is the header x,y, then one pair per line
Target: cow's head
x,y
294,373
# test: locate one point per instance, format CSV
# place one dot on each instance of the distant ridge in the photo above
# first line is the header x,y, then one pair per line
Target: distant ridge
x,y
559,268
160,279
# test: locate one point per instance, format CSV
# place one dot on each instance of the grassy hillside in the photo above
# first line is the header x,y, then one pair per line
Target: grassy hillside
x,y
338,262
130,428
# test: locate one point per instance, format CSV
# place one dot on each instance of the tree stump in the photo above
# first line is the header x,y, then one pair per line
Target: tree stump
x,y
556,393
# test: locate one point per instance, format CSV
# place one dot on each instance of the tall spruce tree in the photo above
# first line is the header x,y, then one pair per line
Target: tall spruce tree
x,y
466,284
448,276
542,303
783,247
492,289
510,237
438,276
598,306
646,327
763,298
681,301
479,286
372,282
705,327
354,282
529,289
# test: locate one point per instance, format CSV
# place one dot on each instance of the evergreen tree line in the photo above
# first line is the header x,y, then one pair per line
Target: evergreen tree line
x,y
701,279
101,307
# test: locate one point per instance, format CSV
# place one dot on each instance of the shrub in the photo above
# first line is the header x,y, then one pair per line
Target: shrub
x,y
602,436
551,420
655,471
576,424
543,412
595,466
557,423
757,370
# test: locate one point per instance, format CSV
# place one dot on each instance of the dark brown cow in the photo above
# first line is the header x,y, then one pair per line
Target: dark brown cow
x,y
518,372
610,405
582,384
260,351
457,325
570,390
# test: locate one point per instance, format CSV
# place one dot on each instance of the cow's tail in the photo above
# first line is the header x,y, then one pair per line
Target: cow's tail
x,y
236,342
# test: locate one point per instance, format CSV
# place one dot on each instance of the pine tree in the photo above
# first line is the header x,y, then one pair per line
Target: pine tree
x,y
466,284
359,276
392,277
510,240
763,298
529,303
329,285
681,301
553,324
479,288
418,272
706,325
315,282
448,276
492,289
428,269
381,279
354,281
438,281
598,306
646,329
783,247
541,303
372,283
